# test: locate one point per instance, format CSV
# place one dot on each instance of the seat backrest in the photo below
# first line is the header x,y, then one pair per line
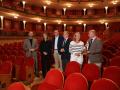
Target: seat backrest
x,y
72,67
113,73
115,61
6,67
76,81
55,77
91,72
46,86
16,86
104,84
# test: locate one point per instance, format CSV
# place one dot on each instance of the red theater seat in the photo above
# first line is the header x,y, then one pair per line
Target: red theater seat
x,y
53,80
115,61
5,73
104,84
72,67
16,86
46,86
91,72
76,81
26,70
113,73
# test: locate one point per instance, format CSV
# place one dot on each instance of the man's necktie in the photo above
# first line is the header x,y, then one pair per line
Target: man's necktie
x,y
90,43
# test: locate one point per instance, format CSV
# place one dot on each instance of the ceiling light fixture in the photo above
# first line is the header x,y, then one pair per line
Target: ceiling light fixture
x,y
59,21
79,22
48,2
68,4
91,4
102,21
114,2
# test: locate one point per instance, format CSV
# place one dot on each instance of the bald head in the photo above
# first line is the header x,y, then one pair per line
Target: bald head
x,y
92,33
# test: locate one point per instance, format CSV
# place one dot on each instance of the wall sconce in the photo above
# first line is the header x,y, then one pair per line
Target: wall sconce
x,y
106,9
24,24
64,10
1,18
23,2
45,26
84,27
84,11
106,26
44,7
64,27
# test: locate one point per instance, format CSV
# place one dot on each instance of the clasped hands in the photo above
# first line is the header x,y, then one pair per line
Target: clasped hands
x,y
32,49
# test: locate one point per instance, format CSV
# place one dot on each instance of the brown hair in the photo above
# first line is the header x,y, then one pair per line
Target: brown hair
x,y
47,36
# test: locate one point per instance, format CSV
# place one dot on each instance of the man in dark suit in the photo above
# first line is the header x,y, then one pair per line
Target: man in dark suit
x,y
65,54
94,47
57,44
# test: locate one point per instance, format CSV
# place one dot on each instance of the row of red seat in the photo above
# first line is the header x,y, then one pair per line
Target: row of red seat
x,y
14,64
54,80
81,80
111,51
23,67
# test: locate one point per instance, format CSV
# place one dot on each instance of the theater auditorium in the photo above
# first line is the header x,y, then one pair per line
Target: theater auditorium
x,y
59,44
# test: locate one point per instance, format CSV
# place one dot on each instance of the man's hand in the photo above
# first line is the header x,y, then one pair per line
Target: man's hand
x,y
77,54
32,49
45,53
86,52
62,50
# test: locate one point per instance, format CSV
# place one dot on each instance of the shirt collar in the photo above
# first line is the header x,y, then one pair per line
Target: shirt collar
x,y
93,38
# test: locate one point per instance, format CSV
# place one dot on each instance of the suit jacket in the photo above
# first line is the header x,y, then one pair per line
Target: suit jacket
x,y
27,45
59,44
95,49
45,46
65,45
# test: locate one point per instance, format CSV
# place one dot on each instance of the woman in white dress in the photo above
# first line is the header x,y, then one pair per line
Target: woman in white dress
x,y
76,49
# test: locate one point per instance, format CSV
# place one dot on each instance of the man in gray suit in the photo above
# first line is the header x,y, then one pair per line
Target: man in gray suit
x,y
30,46
94,47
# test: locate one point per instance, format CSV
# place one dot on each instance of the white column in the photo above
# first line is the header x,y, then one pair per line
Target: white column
x,y
23,2
44,7
1,19
84,11
64,10
106,9
84,27
45,26
24,25
106,26
64,27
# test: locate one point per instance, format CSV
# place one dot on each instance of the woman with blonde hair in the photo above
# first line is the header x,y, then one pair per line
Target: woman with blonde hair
x,y
76,49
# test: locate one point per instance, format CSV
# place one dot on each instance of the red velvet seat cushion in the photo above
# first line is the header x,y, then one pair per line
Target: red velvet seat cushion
x,y
104,84
16,86
76,81
91,72
72,67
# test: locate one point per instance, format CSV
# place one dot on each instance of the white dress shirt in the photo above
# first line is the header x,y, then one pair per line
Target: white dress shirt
x,y
56,42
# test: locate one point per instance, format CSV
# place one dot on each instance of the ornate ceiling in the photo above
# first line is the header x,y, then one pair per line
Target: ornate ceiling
x,y
21,14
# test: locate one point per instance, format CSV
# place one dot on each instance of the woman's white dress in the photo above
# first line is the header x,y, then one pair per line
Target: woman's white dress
x,y
76,48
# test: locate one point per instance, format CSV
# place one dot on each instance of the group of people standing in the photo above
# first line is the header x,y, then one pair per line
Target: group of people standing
x,y
64,50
